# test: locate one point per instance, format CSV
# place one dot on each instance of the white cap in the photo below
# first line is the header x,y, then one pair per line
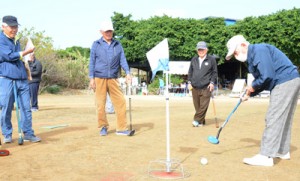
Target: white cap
x,y
233,43
106,26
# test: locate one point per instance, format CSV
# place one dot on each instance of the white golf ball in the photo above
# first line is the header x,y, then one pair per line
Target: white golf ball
x,y
203,161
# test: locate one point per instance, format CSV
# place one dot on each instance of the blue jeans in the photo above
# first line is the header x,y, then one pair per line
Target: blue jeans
x,y
6,103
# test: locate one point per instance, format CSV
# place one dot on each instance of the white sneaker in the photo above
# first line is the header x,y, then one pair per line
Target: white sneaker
x,y
259,160
284,157
195,123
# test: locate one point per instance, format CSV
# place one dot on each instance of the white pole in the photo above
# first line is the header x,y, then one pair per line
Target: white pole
x,y
167,122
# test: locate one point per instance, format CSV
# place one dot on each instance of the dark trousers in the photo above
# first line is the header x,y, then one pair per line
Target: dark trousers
x,y
34,91
201,99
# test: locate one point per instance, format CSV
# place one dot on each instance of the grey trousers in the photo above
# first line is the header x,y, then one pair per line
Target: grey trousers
x,y
279,118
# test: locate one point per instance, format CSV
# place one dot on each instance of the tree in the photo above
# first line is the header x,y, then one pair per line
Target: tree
x,y
61,68
281,29
45,52
74,52
140,36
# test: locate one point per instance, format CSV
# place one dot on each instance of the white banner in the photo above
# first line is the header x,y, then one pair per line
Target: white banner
x,y
158,57
28,45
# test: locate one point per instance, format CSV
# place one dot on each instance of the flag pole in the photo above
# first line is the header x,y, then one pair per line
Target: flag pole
x,y
168,168
167,123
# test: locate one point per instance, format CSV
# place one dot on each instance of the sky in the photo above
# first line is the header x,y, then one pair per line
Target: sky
x,y
77,22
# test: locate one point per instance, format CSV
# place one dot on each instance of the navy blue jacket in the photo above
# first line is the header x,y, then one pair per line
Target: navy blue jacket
x,y
10,64
105,59
36,70
269,66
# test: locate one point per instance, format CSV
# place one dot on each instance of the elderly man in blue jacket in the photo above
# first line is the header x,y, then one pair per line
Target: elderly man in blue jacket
x,y
272,70
13,74
106,58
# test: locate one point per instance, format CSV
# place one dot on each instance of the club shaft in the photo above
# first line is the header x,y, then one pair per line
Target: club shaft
x,y
214,109
17,108
219,131
130,118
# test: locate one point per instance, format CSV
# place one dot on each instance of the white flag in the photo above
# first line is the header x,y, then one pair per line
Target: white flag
x,y
158,57
28,45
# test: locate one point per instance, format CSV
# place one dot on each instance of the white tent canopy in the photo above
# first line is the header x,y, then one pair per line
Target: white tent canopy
x,y
179,67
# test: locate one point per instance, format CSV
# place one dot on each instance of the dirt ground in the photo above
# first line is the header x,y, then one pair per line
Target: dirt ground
x,y
72,150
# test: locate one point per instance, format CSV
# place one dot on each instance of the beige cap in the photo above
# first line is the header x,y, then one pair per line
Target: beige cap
x,y
232,44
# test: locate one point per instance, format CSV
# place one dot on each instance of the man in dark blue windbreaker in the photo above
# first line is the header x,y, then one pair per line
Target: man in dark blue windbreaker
x,y
13,72
272,70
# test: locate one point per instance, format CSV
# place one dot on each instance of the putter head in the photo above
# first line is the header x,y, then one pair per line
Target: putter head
x,y
131,132
213,140
20,141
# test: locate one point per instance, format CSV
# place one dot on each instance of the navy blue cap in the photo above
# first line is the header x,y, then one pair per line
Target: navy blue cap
x,y
10,20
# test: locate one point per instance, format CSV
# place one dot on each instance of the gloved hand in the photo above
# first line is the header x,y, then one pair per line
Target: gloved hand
x,y
244,97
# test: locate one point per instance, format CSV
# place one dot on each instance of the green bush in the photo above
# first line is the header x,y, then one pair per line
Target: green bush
x,y
154,86
53,89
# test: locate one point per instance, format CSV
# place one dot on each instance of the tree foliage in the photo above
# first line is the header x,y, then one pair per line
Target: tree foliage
x,y
69,68
74,52
281,29
44,52
138,37
65,68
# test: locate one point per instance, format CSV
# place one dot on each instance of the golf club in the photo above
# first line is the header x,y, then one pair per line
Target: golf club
x,y
130,118
215,140
20,140
214,109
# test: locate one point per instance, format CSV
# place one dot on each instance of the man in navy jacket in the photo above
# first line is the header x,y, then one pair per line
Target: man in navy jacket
x,y
272,70
13,74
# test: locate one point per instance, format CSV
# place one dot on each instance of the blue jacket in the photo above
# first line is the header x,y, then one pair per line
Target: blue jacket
x,y
10,64
269,66
105,59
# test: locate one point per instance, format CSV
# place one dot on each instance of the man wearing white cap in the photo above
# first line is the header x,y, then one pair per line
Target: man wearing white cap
x,y
106,58
272,70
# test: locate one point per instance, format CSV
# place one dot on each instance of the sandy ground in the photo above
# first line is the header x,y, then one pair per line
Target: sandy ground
x,y
74,151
